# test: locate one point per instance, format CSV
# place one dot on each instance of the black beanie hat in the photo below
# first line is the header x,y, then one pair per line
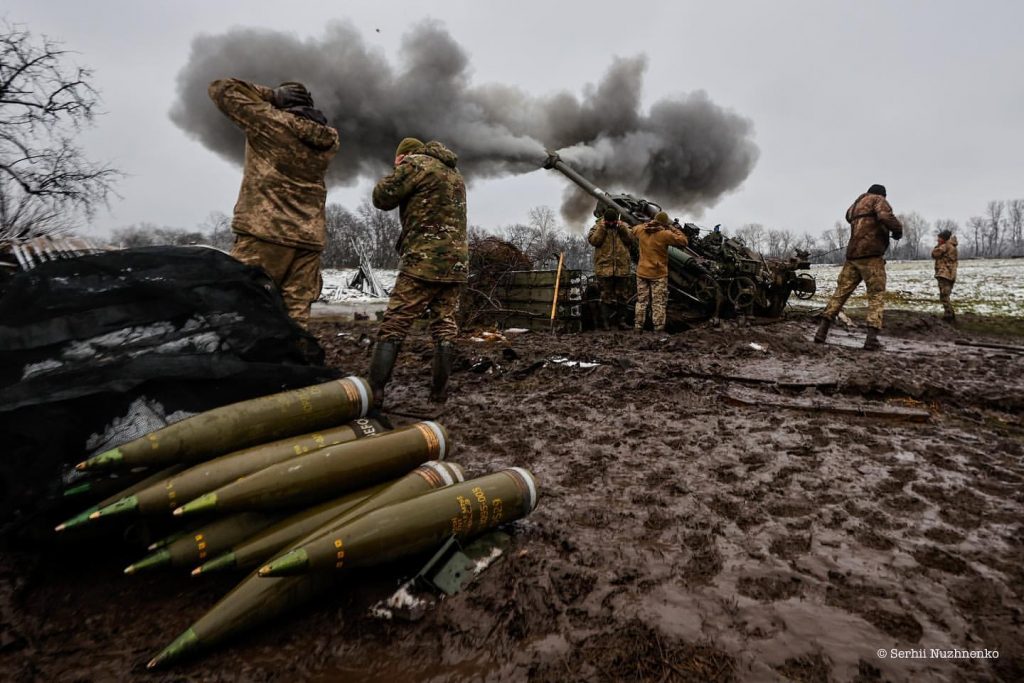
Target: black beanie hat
x,y
877,189
611,214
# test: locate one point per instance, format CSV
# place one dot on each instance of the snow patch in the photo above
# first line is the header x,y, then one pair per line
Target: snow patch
x,y
400,599
574,363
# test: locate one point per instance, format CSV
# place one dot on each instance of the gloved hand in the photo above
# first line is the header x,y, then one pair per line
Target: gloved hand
x,y
291,94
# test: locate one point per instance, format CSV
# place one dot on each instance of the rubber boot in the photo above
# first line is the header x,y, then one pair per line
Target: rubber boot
x,y
384,355
822,334
606,314
871,342
442,369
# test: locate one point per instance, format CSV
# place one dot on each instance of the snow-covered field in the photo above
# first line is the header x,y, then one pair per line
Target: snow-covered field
x,y
983,287
336,289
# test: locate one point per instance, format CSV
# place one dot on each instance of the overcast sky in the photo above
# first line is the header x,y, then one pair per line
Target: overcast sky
x,y
925,97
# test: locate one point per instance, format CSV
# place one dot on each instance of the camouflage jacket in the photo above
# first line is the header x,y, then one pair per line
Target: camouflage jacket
x,y
286,156
431,198
611,248
654,239
945,256
871,221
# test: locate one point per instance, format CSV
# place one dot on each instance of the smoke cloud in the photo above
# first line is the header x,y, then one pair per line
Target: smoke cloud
x,y
683,153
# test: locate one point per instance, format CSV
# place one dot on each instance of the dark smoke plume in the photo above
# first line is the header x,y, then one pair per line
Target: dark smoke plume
x,y
684,153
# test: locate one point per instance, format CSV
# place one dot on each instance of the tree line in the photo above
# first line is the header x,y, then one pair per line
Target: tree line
x,y
367,231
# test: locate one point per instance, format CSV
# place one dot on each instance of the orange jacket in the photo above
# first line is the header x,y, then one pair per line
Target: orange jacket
x,y
654,240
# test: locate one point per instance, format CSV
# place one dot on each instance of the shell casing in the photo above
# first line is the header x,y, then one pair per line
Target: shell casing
x,y
258,600
164,496
329,471
243,424
463,510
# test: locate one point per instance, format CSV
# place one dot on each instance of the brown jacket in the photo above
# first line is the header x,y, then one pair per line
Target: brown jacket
x,y
655,239
286,156
871,221
611,248
945,256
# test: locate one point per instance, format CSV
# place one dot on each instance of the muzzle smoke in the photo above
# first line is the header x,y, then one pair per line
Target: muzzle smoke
x,y
684,152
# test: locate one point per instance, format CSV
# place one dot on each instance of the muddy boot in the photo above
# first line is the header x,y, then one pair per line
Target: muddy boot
x,y
384,355
871,342
606,314
442,368
822,334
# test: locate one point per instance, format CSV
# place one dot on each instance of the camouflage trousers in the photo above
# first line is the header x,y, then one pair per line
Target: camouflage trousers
x,y
945,289
655,293
410,298
871,271
296,272
614,289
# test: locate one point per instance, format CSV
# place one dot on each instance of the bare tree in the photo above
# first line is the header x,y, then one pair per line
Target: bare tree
x,y
753,235
1015,224
833,244
976,225
378,234
44,103
993,228
915,227
217,228
778,242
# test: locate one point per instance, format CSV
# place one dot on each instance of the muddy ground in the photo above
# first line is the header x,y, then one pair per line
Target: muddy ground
x,y
681,534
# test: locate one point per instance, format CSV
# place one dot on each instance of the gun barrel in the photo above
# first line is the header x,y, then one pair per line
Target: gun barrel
x,y
555,162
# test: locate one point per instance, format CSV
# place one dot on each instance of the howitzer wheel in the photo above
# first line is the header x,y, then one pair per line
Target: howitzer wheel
x,y
805,287
742,292
706,289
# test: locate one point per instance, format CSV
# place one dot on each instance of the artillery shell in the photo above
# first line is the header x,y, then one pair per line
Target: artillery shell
x,y
242,424
205,542
328,472
464,510
166,495
257,600
251,552
85,515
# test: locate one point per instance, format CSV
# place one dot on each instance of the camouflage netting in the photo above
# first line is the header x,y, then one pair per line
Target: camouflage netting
x,y
95,350
490,258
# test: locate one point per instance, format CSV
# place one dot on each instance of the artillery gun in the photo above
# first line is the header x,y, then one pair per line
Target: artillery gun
x,y
714,276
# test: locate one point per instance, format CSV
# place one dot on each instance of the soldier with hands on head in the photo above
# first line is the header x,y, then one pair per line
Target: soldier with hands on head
x,y
872,222
279,219
654,238
612,240
945,255
430,195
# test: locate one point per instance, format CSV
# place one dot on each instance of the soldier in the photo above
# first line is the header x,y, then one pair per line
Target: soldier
x,y
871,223
945,255
279,220
434,257
612,240
654,238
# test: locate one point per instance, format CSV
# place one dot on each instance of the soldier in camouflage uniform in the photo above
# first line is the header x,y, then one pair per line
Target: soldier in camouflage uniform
x,y
430,195
654,238
945,255
613,266
279,221
871,223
